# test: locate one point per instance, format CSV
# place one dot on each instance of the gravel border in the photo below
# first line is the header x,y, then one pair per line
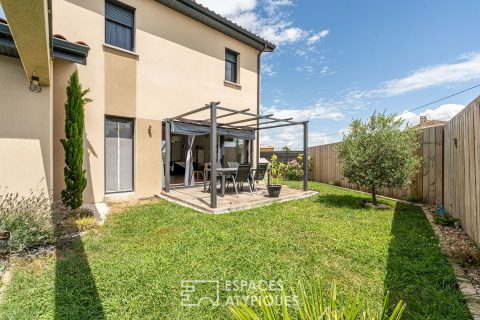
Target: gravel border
x,y
5,276
472,298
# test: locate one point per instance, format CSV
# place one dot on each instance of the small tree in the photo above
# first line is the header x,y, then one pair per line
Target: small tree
x,y
75,181
379,153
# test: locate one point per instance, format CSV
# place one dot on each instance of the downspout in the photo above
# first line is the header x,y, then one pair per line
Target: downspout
x,y
257,156
50,88
50,26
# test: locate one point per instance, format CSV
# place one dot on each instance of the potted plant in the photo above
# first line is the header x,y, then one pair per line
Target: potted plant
x,y
276,171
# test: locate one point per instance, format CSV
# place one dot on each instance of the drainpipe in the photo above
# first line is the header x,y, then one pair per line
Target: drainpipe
x,y
50,27
257,155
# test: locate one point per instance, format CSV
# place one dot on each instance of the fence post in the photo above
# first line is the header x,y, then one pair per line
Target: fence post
x,y
305,156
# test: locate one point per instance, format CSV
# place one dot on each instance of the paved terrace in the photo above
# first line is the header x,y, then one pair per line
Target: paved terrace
x,y
195,198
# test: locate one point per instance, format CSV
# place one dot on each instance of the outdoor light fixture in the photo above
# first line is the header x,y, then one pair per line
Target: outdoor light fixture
x,y
35,84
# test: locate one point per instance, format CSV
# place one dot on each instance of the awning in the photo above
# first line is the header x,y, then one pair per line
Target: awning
x,y
198,130
62,49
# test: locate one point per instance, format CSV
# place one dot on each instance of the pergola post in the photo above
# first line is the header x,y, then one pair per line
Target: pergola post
x,y
213,154
305,156
168,148
251,159
222,150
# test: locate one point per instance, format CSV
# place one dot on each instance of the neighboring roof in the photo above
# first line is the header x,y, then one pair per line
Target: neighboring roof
x,y
431,123
62,49
208,17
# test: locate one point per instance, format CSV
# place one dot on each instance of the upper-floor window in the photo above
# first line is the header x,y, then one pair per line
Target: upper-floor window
x,y
119,25
231,66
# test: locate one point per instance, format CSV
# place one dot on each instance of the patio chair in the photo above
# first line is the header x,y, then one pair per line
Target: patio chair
x,y
219,166
198,170
260,174
242,175
232,164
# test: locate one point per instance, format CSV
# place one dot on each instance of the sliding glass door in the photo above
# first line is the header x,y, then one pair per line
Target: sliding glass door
x,y
235,150
118,155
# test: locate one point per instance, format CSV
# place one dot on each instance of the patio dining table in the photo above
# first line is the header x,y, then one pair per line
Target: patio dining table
x,y
223,172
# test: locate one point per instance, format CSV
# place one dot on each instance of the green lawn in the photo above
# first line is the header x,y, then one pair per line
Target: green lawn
x,y
132,267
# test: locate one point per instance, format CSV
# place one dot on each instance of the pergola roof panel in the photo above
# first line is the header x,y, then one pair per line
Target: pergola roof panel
x,y
229,112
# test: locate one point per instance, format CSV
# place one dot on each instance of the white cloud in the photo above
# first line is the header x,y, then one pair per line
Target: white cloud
x,y
466,70
443,112
317,111
272,6
266,18
300,52
293,138
280,33
317,37
268,69
230,7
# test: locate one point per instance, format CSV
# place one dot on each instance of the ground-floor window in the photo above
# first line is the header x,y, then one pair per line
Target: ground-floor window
x,y
118,154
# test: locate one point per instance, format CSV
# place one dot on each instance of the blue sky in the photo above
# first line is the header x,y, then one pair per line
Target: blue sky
x,y
338,60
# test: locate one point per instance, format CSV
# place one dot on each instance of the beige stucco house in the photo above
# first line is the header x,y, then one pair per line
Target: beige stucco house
x,y
143,61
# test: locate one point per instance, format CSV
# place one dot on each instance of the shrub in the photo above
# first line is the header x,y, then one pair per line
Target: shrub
x,y
86,223
294,170
317,305
446,220
28,220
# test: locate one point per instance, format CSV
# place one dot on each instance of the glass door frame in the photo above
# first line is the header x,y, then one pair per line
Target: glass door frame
x,y
124,119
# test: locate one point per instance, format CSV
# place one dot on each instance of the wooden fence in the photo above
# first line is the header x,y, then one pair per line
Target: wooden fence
x,y
462,168
426,185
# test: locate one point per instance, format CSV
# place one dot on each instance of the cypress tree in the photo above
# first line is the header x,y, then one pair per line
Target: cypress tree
x,y
75,180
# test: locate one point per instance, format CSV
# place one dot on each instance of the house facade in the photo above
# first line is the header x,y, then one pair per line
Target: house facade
x,y
143,61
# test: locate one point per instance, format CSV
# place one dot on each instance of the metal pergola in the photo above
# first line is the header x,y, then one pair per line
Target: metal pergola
x,y
251,121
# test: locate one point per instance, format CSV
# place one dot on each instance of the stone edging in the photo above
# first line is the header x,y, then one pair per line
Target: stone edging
x,y
5,279
172,199
472,299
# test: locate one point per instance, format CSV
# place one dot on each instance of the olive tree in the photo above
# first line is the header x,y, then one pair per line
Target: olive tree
x,y
379,153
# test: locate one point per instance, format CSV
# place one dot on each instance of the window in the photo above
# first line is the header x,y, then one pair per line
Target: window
x,y
235,150
119,25
118,155
231,67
